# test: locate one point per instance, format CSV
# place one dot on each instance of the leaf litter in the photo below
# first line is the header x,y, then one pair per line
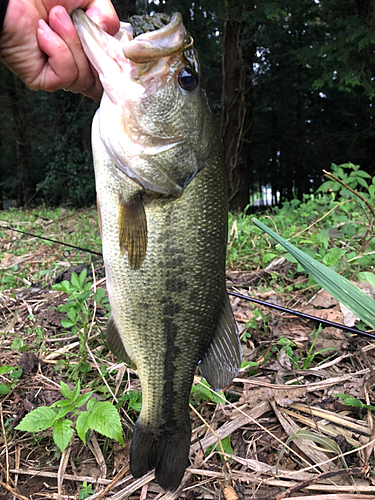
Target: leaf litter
x,y
270,436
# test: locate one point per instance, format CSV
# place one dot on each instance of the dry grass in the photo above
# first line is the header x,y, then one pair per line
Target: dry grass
x,y
262,408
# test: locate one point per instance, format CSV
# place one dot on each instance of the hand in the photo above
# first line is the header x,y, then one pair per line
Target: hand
x,y
50,56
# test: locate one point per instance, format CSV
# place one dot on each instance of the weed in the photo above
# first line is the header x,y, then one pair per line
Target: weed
x,y
12,376
100,416
79,314
311,355
86,491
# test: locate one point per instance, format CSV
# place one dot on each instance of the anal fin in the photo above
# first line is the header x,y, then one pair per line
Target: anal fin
x,y
132,225
222,361
116,345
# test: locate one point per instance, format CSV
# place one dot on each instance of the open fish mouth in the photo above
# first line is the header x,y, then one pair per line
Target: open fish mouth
x,y
144,48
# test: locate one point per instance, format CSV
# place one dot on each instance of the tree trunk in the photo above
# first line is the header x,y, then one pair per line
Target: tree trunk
x,y
237,110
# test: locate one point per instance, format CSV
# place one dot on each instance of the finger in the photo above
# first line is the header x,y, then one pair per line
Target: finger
x,y
103,14
62,25
59,69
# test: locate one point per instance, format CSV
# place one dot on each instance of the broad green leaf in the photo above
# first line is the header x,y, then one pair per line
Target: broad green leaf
x,y
82,425
366,276
225,443
362,182
6,369
91,405
106,420
82,277
99,294
83,296
4,389
361,173
62,403
350,401
72,314
81,400
64,411
340,288
65,390
75,281
204,391
66,323
76,391
62,433
333,255
37,420
64,286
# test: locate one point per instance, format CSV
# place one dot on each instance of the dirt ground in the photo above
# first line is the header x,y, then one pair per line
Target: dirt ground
x,y
288,435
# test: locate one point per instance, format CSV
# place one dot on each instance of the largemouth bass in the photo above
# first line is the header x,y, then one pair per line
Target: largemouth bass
x,y
162,202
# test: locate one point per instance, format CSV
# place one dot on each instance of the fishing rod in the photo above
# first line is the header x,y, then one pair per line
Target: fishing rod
x,y
235,294
53,241
302,315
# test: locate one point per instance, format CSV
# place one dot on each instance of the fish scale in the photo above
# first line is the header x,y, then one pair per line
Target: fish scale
x,y
162,200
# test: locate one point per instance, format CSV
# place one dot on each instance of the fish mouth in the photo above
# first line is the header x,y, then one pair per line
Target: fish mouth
x,y
144,48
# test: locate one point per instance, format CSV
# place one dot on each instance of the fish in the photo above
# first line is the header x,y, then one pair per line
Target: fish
x,y
162,204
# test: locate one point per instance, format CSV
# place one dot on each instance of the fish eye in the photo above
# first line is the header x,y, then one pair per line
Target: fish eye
x,y
187,79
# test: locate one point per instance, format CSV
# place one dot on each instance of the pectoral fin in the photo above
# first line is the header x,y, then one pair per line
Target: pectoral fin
x,y
133,230
222,360
116,345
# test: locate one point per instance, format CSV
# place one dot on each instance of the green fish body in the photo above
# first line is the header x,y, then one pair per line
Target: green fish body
x,y
162,199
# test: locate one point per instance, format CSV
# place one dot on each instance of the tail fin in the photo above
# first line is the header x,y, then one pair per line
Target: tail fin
x,y
166,451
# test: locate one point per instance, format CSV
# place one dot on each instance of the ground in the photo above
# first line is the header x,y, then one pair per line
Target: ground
x,y
283,430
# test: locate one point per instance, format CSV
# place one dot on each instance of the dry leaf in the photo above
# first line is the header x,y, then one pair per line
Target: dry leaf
x,y
230,494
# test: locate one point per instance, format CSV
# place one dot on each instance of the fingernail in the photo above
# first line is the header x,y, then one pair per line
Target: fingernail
x,y
63,17
97,20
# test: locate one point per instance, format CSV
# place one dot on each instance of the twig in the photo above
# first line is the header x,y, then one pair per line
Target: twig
x,y
217,437
316,222
67,477
320,477
5,442
113,483
97,452
11,490
62,467
328,174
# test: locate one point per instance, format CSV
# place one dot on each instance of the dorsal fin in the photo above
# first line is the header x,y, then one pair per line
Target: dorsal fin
x,y
132,225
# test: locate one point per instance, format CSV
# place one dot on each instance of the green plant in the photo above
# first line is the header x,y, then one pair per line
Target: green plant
x,y
287,345
339,287
203,391
350,175
350,401
225,445
86,491
100,416
79,314
311,355
13,374
259,320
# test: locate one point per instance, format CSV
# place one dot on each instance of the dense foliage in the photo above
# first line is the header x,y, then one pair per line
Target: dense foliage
x,y
291,82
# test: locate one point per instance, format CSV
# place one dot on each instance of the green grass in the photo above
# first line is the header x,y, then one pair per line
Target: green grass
x,y
333,226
